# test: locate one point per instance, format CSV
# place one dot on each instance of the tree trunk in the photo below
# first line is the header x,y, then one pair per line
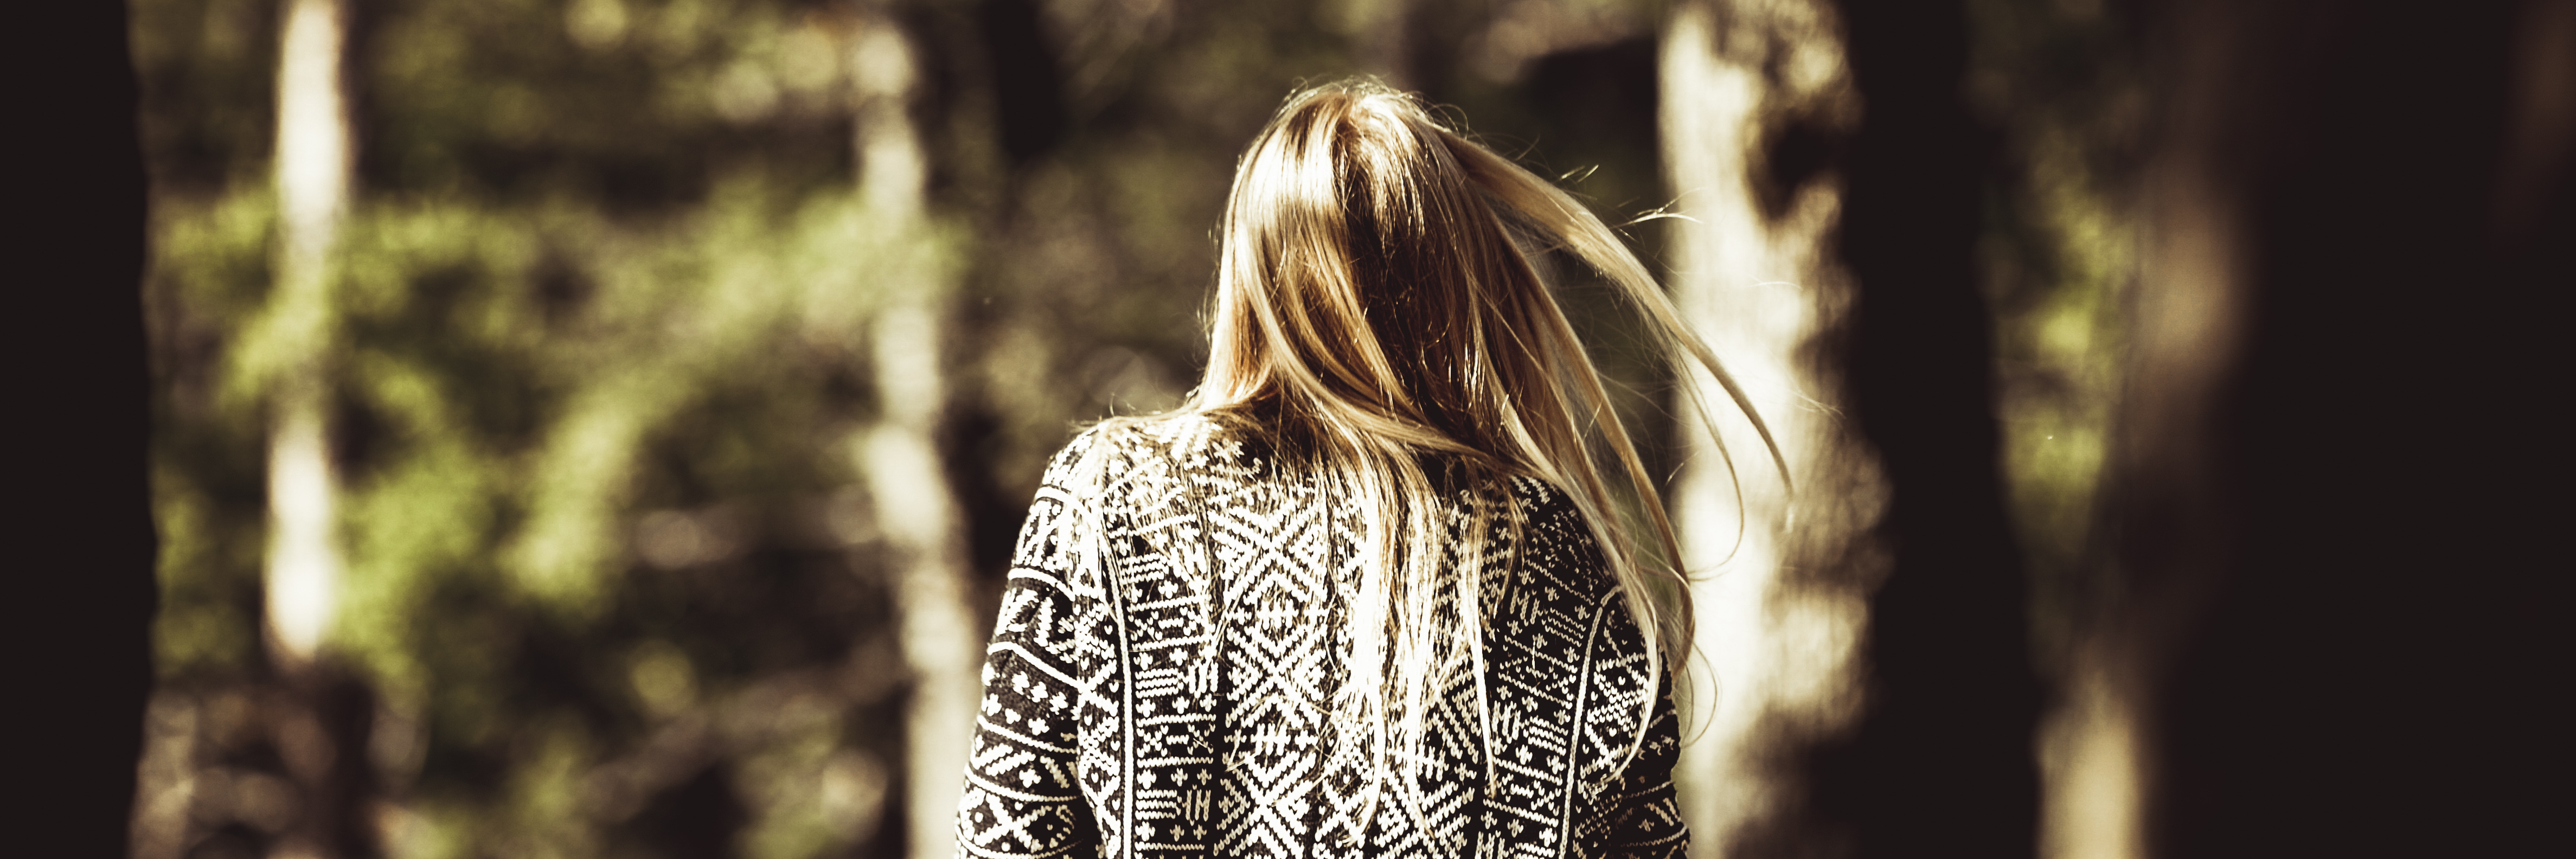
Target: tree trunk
x,y
1941,761
322,715
312,173
83,610
1782,576
2333,565
900,457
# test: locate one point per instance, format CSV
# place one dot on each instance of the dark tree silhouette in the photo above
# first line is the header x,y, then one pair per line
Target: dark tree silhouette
x,y
83,590
2337,568
1940,762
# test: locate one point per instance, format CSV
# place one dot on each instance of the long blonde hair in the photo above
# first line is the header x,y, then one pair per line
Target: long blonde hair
x,y
1379,305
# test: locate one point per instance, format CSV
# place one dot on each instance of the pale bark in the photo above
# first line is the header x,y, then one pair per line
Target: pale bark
x,y
304,565
1776,639
917,513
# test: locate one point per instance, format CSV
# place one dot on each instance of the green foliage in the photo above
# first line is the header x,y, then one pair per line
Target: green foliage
x,y
210,487
499,448
2061,253
583,290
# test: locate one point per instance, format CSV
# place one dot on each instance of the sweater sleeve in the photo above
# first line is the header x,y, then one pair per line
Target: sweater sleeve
x,y
1022,796
1645,819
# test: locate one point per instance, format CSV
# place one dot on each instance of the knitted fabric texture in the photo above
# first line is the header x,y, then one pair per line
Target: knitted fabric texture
x,y
1161,678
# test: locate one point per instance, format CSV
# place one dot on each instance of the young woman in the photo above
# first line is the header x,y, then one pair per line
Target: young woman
x,y
1370,591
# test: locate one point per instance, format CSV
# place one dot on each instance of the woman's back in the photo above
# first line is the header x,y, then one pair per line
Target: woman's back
x,y
1394,581
1163,674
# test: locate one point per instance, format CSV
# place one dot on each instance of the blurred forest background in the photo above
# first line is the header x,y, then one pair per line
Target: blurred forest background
x,y
599,427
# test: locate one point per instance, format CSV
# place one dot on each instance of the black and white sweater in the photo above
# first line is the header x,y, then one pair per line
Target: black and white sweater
x,y
1169,696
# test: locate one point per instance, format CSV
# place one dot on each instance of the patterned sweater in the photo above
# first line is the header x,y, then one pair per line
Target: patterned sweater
x,y
1165,692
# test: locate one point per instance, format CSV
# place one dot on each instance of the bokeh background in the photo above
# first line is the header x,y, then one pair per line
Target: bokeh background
x,y
600,427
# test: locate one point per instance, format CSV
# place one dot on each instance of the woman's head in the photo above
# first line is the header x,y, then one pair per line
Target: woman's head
x,y
1379,304
1363,274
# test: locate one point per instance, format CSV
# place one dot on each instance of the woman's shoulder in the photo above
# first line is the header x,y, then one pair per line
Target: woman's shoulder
x,y
1110,450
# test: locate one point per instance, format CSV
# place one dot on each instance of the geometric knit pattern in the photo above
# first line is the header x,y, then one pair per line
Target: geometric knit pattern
x,y
1160,678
